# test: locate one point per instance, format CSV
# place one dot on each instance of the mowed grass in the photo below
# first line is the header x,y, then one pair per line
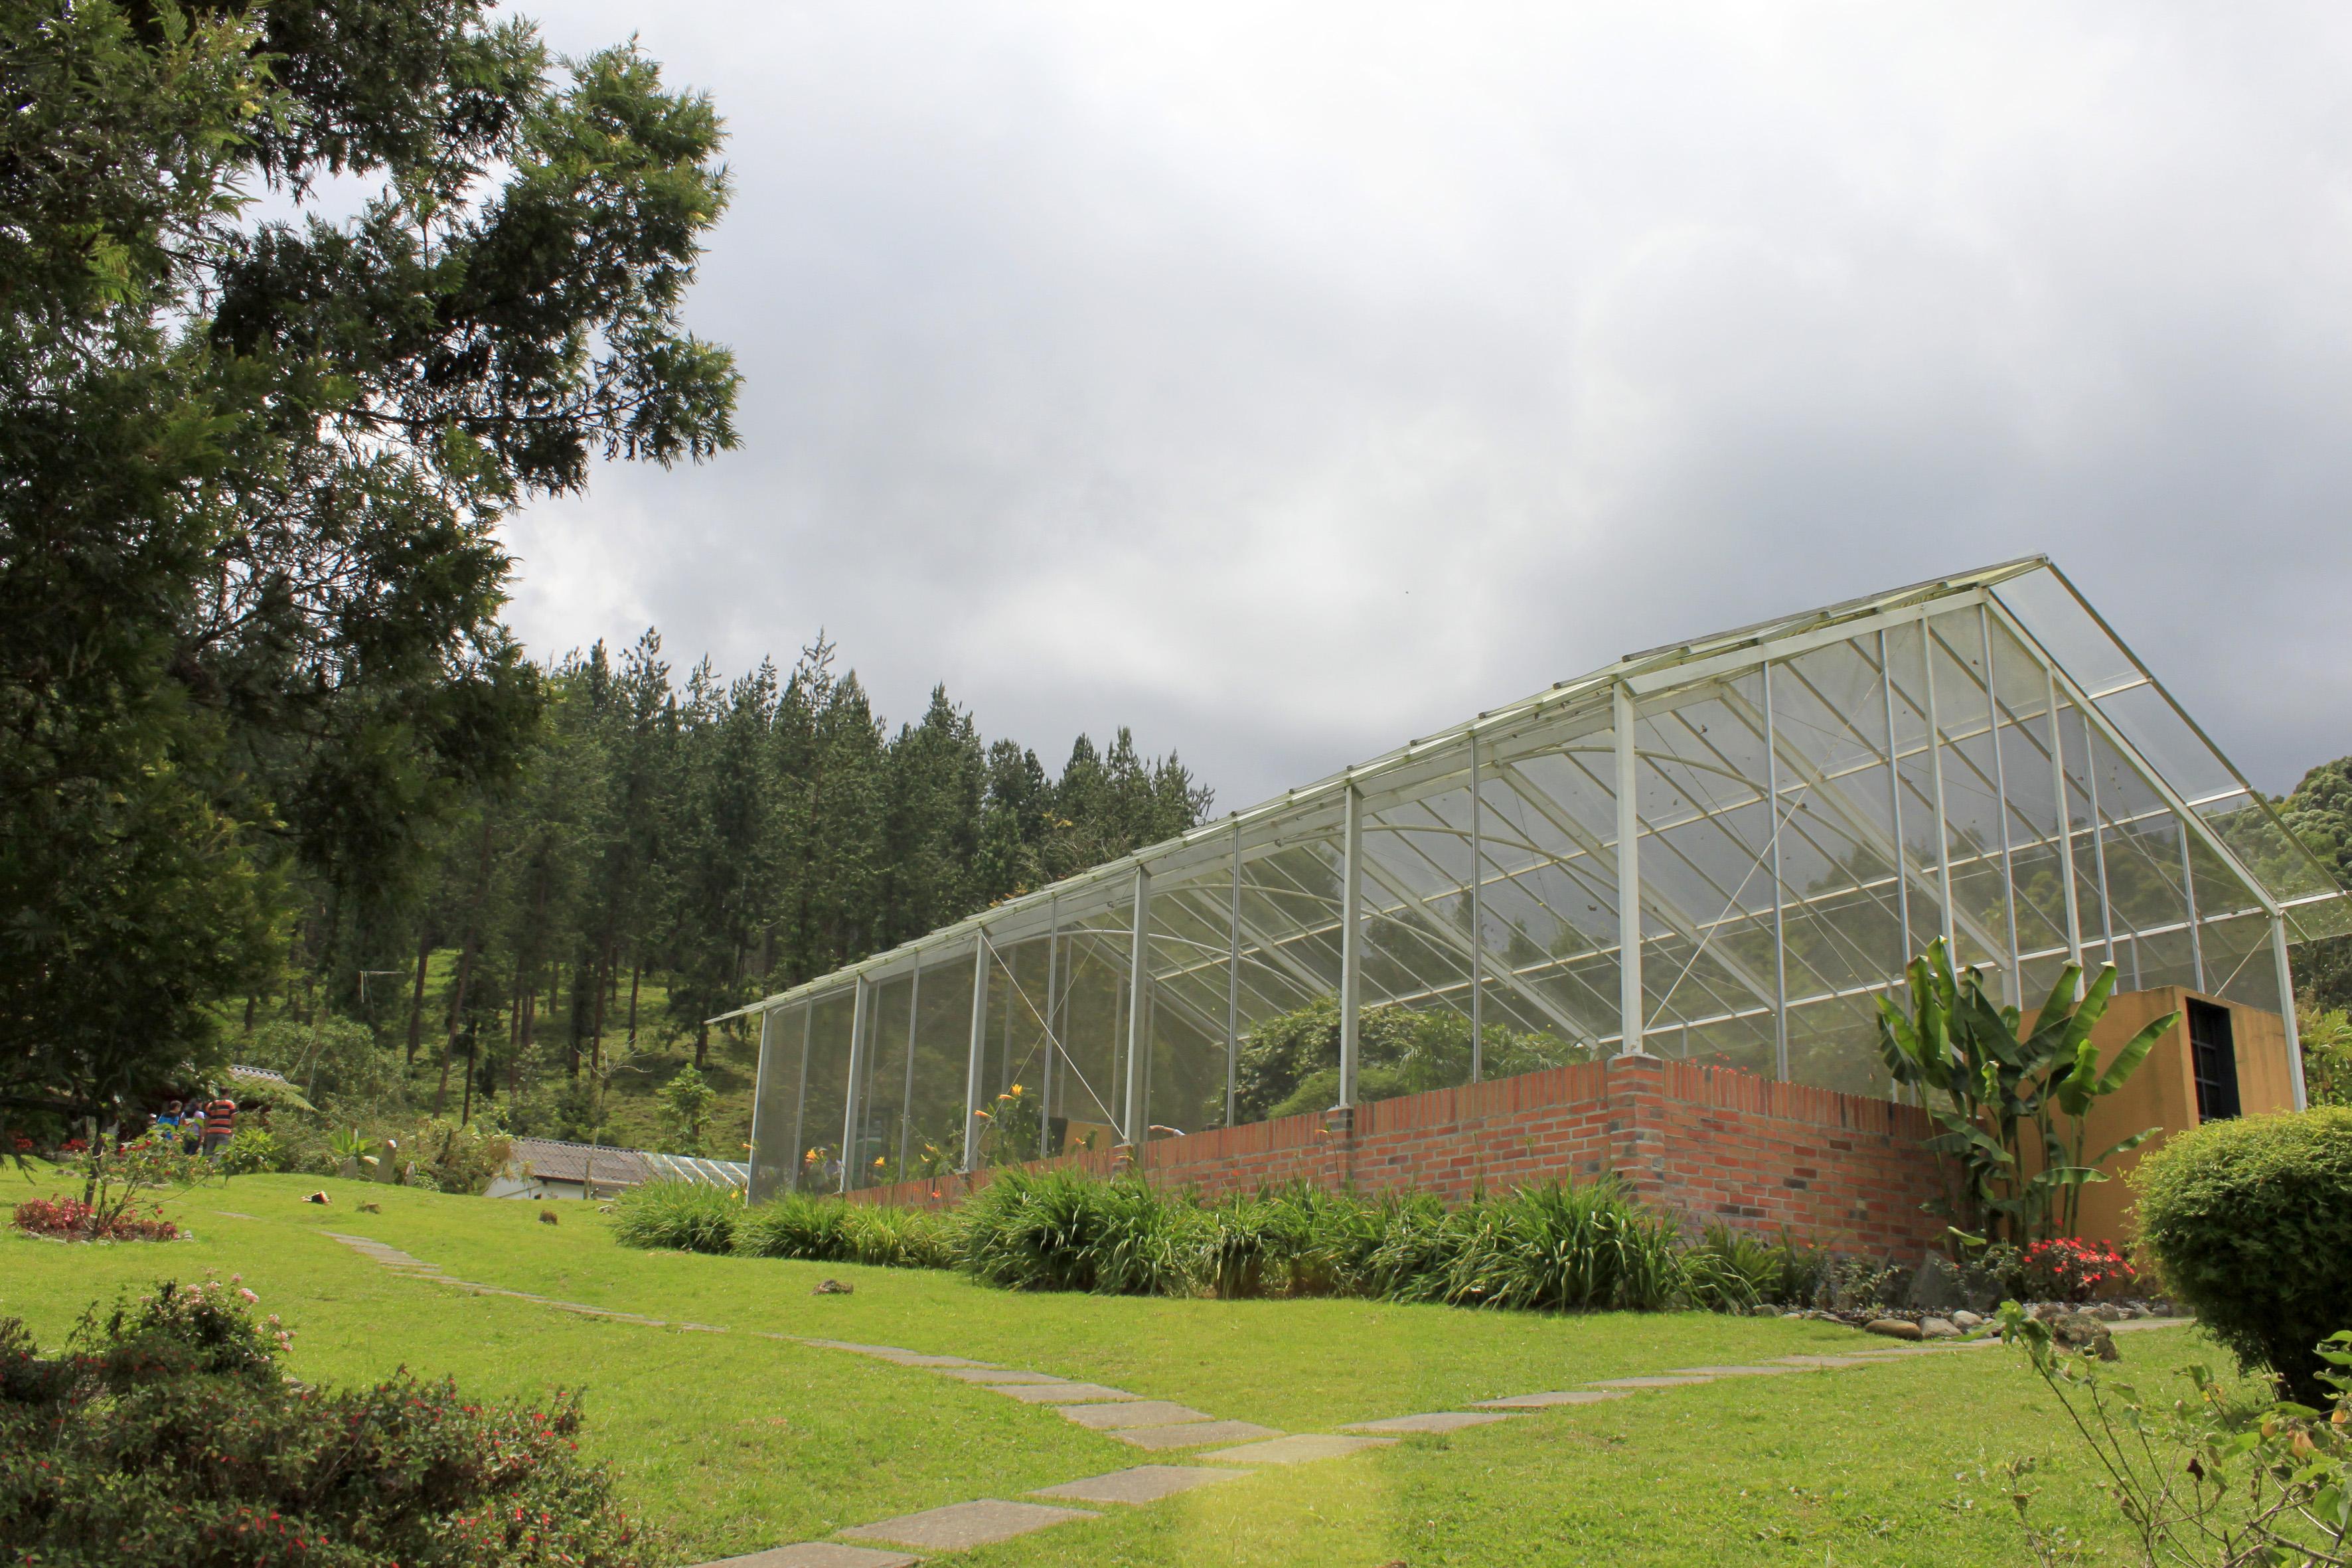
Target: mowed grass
x,y
733,1442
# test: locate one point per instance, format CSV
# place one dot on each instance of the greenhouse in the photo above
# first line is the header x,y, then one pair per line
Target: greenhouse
x,y
1723,849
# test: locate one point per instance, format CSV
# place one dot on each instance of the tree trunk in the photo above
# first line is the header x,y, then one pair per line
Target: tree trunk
x,y
416,998
596,1025
701,1044
465,951
635,969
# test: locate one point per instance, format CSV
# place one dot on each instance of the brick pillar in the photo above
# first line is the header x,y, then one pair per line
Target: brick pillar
x,y
1339,1147
1637,1125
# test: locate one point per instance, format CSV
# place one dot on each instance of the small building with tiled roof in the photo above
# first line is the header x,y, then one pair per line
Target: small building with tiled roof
x,y
557,1168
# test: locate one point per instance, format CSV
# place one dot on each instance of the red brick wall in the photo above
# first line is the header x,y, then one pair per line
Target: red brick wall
x,y
1705,1143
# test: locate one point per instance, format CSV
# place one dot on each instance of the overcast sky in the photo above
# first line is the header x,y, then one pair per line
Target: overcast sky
x,y
1285,381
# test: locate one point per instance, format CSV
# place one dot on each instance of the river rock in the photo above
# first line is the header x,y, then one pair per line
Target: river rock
x,y
2082,1331
1939,1329
1965,1321
1894,1328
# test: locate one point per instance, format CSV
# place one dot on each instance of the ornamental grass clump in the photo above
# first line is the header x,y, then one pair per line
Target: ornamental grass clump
x,y
1062,1231
682,1217
1561,1248
2250,1222
834,1230
167,1433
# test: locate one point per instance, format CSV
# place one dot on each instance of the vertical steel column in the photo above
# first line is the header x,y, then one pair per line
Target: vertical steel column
x,y
1233,982
800,1096
2099,843
1352,939
1053,1031
1894,799
978,1049
1478,924
907,1094
859,1007
760,1144
1630,1004
2188,895
1943,819
2001,809
1780,911
1139,976
2286,1010
2066,827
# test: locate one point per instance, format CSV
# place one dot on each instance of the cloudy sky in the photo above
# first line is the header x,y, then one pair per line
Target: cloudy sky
x,y
1287,380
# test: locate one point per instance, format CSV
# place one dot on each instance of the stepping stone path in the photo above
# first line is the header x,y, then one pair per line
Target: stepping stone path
x,y
1058,1392
1437,1420
1296,1449
1133,1413
962,1525
1144,1483
1546,1401
818,1555
1151,1424
1194,1434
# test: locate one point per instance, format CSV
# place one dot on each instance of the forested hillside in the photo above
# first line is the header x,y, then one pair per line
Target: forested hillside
x,y
667,848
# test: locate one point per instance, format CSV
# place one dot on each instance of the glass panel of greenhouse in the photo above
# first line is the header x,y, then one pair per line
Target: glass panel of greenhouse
x,y
1798,808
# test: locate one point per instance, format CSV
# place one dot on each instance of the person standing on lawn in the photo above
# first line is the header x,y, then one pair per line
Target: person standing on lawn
x,y
167,1125
220,1125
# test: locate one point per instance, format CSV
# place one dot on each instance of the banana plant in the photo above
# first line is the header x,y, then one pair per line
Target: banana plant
x,y
2082,1086
1998,1083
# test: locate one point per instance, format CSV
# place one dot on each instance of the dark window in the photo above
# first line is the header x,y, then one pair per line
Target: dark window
x,y
2213,1058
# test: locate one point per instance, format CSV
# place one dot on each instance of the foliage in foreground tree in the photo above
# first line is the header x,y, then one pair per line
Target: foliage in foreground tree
x,y
251,472
168,1433
2004,1090
2209,1481
2250,1222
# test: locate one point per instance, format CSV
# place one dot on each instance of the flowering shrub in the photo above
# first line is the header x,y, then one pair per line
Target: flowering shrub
x,y
70,1219
168,1434
2072,1269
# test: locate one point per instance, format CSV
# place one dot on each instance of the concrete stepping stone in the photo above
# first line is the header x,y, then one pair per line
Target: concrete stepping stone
x,y
1132,1412
995,1374
1195,1433
1144,1483
232,1214
1058,1392
1647,1382
863,1350
1546,1401
1821,1361
1296,1449
1730,1371
1436,1421
963,1525
817,1554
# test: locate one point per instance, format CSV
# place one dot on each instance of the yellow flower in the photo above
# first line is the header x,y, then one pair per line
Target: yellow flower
x,y
879,1160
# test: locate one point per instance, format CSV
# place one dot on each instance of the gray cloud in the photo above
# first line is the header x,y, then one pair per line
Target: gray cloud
x,y
1288,381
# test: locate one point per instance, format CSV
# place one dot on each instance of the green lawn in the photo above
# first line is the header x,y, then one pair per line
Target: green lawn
x,y
734,1442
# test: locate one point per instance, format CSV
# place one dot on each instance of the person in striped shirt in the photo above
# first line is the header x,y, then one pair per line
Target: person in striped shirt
x,y
220,1124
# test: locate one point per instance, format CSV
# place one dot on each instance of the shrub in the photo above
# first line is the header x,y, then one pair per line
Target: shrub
x,y
167,1434
2071,1270
1730,1271
793,1225
1563,1248
254,1151
831,1230
685,1217
70,1219
2250,1222
1062,1231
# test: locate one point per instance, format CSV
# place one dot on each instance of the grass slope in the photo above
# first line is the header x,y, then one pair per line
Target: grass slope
x,y
735,1442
